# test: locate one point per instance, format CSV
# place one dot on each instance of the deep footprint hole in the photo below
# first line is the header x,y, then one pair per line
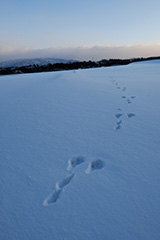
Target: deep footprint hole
x,y
97,164
118,115
75,161
129,115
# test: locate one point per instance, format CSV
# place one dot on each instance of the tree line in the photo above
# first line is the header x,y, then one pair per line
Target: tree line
x,y
71,65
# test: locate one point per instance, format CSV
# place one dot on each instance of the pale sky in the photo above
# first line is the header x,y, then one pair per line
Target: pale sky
x,y
79,29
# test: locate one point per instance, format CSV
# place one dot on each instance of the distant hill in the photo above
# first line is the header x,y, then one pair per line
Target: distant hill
x,y
35,61
50,64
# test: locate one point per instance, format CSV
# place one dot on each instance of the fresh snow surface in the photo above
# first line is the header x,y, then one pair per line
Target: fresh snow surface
x,y
80,154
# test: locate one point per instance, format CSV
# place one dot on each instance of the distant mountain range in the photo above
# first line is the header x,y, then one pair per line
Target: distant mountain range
x,y
36,61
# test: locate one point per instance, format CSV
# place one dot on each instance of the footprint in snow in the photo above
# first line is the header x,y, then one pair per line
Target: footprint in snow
x,y
54,196
74,162
118,115
128,101
124,89
97,164
118,125
61,184
113,81
129,115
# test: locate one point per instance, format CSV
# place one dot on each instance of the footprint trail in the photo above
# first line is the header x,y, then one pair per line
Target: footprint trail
x,y
54,196
128,99
118,125
97,164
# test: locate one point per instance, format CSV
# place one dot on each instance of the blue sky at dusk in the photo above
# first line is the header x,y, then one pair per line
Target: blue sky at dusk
x,y
79,29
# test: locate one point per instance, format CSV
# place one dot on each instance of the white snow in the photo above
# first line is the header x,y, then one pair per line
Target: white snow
x,y
80,154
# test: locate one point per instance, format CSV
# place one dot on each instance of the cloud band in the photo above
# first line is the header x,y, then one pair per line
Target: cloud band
x,y
82,52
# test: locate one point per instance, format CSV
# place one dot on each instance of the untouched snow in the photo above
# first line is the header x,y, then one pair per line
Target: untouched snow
x,y
80,154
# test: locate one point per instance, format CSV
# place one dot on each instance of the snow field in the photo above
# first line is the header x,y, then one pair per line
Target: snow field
x,y
80,154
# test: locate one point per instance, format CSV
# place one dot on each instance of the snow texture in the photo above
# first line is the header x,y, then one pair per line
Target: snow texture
x,y
55,129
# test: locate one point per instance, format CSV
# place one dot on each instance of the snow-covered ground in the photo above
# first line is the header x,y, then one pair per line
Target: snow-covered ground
x,y
80,154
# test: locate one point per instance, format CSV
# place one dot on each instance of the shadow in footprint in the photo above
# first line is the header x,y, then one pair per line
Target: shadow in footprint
x,y
113,81
129,101
61,184
118,115
118,125
53,197
75,161
95,165
129,115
